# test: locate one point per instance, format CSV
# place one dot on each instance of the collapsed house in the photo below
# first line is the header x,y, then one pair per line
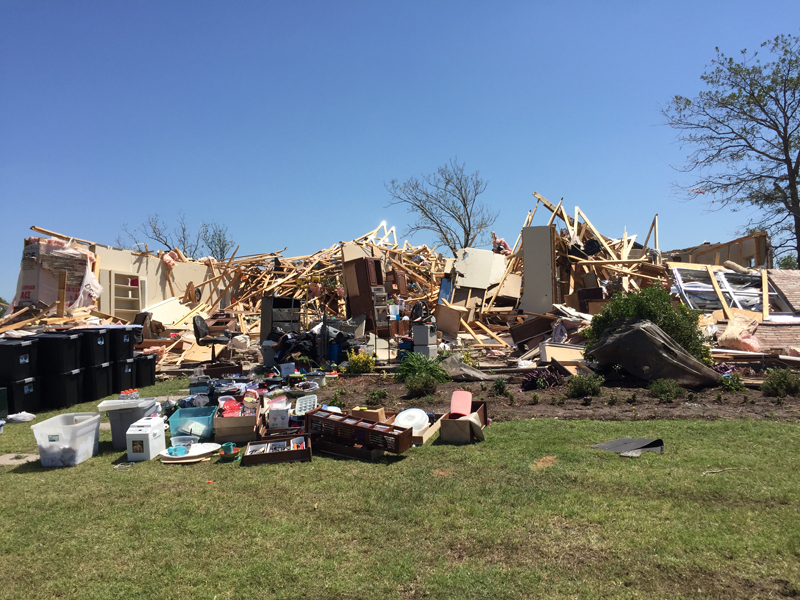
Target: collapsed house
x,y
524,301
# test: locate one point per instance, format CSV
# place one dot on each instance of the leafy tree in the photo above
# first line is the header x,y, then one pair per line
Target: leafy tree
x,y
216,240
745,133
3,307
787,261
446,203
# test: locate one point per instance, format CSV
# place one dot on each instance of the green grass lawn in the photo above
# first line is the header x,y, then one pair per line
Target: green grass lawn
x,y
532,512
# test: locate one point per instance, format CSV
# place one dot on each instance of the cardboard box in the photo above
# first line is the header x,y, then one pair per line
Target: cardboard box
x,y
236,429
374,414
455,431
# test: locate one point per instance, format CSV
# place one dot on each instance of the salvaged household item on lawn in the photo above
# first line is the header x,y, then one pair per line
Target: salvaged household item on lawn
x,y
465,422
145,439
193,421
23,395
124,413
67,440
420,436
62,390
97,382
350,430
237,426
295,449
59,352
202,336
196,452
644,350
18,359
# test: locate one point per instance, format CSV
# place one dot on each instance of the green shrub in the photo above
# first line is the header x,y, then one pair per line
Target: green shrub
x,y
612,400
580,386
376,397
360,363
781,383
655,305
336,400
666,390
468,359
732,384
421,384
417,364
500,386
534,399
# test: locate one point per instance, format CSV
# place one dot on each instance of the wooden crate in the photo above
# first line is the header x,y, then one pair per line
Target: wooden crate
x,y
425,434
303,455
357,452
353,431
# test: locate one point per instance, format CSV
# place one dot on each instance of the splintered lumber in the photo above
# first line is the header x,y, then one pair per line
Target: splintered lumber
x,y
718,291
492,335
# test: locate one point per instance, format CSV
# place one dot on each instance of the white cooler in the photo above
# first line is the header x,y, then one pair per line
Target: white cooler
x,y
145,439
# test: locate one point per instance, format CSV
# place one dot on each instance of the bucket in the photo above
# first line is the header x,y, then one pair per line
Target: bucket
x,y
333,352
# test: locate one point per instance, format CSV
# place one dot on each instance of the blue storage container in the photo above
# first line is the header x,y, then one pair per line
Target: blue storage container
x,y
193,421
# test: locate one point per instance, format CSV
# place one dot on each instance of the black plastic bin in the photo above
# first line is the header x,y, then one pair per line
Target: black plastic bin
x,y
18,359
23,395
97,382
145,370
3,403
61,390
123,375
94,346
59,352
122,342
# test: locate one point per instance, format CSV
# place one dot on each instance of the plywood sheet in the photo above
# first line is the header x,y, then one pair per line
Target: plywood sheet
x,y
479,268
538,262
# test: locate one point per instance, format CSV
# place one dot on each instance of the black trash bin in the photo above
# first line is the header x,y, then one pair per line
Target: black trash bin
x,y
59,352
18,359
61,390
94,346
123,375
145,370
97,382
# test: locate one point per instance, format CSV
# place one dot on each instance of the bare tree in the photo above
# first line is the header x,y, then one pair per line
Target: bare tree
x,y
446,203
745,134
212,238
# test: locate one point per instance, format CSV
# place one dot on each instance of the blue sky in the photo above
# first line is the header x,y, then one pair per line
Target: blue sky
x,y
284,120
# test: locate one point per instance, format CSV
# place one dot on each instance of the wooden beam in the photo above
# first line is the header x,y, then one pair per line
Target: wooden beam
x,y
491,334
555,212
470,331
62,293
61,236
764,294
726,309
597,234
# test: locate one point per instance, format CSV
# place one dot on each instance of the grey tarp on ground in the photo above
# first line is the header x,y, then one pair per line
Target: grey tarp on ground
x,y
460,371
627,444
644,350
